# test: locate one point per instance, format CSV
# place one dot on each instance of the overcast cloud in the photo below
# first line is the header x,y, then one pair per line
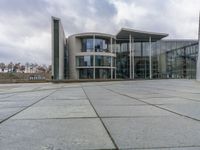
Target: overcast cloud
x,y
25,27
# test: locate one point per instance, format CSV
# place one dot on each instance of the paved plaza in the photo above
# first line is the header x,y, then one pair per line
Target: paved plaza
x,y
146,114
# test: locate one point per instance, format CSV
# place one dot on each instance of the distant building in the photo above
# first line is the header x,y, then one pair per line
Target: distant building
x,y
130,54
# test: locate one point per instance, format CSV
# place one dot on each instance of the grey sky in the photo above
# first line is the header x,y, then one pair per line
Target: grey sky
x,y
25,28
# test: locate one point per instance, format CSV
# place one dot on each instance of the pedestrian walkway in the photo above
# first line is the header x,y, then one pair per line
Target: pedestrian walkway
x,y
148,114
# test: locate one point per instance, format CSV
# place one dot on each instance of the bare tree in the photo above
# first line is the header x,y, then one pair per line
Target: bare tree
x,y
22,68
31,67
10,67
2,66
27,65
41,69
49,69
16,67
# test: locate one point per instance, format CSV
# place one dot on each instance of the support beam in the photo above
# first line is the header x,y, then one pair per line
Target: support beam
x,y
94,57
115,60
133,60
198,58
150,64
130,68
111,65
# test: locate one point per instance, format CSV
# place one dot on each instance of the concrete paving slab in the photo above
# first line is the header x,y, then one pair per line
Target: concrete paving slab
x,y
67,95
62,103
191,109
14,104
157,132
166,101
130,111
44,112
178,148
56,134
146,96
132,124
118,101
5,95
26,96
7,112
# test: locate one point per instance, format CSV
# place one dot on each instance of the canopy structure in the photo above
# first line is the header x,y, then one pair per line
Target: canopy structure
x,y
139,36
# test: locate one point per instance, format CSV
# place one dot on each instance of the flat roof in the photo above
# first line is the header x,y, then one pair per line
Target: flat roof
x,y
97,34
139,36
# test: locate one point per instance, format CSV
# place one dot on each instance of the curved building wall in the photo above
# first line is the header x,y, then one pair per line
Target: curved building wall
x,y
91,56
74,46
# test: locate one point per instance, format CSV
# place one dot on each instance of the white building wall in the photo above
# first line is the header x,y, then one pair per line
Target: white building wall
x,y
62,43
74,45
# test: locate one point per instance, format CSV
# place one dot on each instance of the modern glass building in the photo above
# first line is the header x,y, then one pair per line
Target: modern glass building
x,y
130,54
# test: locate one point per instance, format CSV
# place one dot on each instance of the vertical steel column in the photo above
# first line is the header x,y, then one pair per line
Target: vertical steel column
x,y
150,67
115,60
133,60
111,66
94,57
130,68
198,56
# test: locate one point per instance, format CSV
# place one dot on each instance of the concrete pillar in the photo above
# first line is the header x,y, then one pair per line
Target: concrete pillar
x,y
130,68
198,58
150,64
133,62
94,57
111,66
115,61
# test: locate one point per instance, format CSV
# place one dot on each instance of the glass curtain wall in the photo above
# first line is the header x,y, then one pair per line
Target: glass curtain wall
x,y
84,61
141,60
122,63
56,49
169,59
103,61
86,73
87,44
102,45
66,63
176,58
181,62
102,64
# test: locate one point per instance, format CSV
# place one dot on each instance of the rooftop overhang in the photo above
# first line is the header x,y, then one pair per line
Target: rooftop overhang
x,y
139,36
96,34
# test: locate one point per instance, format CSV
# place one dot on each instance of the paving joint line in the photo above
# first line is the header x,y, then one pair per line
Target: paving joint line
x,y
26,107
193,146
56,118
154,105
114,143
16,92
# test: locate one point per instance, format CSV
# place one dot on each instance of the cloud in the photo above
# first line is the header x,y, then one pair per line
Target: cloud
x,y
178,18
25,26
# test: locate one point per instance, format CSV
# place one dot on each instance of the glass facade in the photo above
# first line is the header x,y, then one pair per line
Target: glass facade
x,y
103,61
84,61
102,73
101,45
98,66
98,44
169,59
102,66
181,62
56,48
87,45
141,60
130,54
85,73
66,63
